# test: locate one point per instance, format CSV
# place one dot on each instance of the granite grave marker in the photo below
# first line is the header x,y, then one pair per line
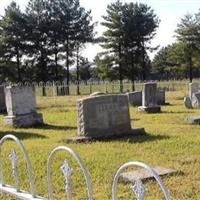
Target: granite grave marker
x,y
105,116
21,107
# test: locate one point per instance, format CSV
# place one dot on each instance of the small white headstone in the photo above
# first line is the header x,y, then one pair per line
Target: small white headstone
x,y
149,98
21,107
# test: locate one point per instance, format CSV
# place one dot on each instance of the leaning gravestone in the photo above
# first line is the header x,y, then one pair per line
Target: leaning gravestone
x,y
21,107
105,116
135,98
2,99
149,99
193,88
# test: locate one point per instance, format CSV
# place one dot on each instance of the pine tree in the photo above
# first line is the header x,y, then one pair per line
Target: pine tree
x,y
12,26
38,29
139,27
112,39
187,34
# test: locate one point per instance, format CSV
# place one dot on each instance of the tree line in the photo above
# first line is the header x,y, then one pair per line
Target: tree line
x,y
44,43
181,59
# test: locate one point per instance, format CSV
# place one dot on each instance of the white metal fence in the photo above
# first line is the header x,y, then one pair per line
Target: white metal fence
x,y
15,191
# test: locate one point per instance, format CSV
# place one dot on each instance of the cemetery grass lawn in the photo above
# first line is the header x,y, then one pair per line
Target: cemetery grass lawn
x,y
169,142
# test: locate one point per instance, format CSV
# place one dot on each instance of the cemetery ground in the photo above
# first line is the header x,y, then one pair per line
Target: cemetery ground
x,y
169,142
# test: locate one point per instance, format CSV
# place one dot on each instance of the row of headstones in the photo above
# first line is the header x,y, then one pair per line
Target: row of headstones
x,y
98,115
135,98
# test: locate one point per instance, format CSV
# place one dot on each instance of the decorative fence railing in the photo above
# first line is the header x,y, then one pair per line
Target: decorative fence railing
x,y
15,191
52,89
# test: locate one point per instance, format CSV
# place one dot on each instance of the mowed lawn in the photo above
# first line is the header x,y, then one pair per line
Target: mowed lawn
x,y
169,142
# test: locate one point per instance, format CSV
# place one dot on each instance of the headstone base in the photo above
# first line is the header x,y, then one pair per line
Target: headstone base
x,y
193,120
25,120
152,109
133,132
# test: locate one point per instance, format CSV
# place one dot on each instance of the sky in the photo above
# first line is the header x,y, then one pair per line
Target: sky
x,y
169,12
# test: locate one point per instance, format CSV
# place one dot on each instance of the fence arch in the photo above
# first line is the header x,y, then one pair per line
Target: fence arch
x,y
27,159
79,161
140,193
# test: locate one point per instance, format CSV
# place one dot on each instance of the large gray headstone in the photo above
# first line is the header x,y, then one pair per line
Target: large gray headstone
x,y
2,99
135,98
103,116
21,107
193,88
149,98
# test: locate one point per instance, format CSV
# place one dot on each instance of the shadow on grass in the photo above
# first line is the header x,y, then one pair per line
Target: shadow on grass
x,y
138,138
22,135
54,127
130,138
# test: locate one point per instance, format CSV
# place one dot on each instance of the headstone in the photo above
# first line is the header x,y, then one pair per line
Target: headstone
x,y
21,107
193,88
143,174
2,100
187,102
135,98
195,99
104,116
149,98
160,96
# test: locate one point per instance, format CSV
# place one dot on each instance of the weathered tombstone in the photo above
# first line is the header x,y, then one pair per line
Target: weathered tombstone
x,y
193,88
195,100
2,100
105,116
135,98
21,107
188,102
160,96
149,100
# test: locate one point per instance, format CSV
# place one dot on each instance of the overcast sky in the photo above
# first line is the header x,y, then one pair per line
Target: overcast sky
x,y
169,11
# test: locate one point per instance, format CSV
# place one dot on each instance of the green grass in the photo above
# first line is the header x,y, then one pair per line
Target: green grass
x,y
169,142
